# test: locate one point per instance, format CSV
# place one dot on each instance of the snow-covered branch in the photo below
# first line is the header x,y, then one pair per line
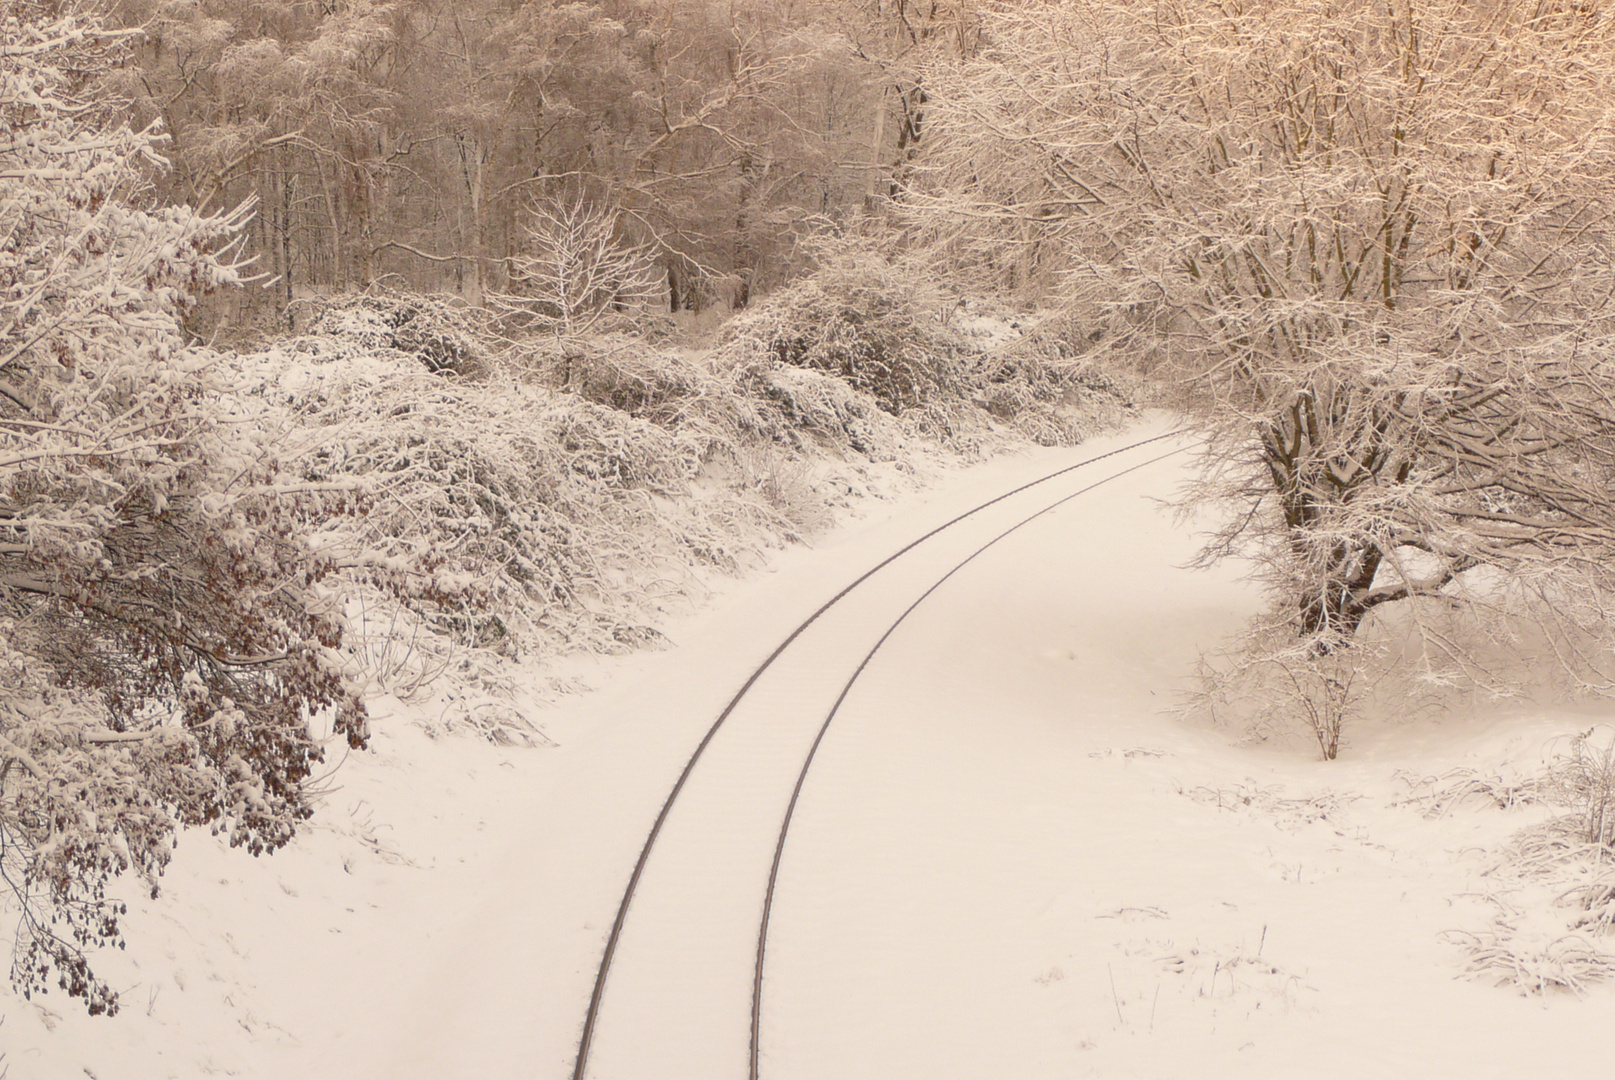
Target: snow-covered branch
x,y
162,637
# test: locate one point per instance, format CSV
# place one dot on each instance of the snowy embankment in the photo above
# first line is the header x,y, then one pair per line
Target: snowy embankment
x,y
1008,861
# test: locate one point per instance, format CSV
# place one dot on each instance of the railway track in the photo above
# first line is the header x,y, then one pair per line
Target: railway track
x,y
596,1008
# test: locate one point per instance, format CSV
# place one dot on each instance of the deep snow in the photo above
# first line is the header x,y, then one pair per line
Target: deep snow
x,y
1008,861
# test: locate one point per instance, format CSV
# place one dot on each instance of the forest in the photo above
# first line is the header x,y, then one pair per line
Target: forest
x,y
413,142
347,346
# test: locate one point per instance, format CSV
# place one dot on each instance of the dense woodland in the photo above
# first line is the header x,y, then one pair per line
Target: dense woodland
x,y
412,141
348,346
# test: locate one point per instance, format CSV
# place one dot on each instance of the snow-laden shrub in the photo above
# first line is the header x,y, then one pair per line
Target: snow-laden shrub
x,y
808,409
1532,947
1582,778
165,632
441,332
1041,384
883,329
1568,962
863,319
629,375
509,512
1555,863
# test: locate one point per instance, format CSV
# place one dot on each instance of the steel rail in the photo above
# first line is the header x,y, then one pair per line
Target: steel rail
x,y
801,779
591,1017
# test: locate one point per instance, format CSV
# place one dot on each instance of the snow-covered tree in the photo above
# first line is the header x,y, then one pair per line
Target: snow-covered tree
x,y
1373,242
163,638
579,271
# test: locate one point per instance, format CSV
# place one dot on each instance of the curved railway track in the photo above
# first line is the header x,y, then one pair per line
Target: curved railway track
x,y
591,1018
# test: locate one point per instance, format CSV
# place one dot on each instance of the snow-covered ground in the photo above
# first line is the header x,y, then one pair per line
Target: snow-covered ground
x,y
1008,860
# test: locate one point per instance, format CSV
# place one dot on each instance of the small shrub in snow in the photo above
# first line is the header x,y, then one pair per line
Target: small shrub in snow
x,y
1436,796
1583,779
1273,687
1569,962
1288,812
1597,902
1559,863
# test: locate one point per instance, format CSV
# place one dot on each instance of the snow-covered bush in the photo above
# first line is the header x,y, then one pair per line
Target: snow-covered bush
x,y
1041,384
884,329
164,635
516,512
626,374
441,332
1272,687
864,319
1583,779
1568,962
1566,861
1544,868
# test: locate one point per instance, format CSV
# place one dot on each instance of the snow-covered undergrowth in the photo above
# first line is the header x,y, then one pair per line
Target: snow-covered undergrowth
x,y
535,498
1544,895
1551,885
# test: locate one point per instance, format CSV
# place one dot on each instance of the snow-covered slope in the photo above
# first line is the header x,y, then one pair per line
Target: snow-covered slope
x,y
1008,860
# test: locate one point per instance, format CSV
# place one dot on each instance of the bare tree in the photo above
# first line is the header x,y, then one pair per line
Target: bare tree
x,y
1371,244
579,271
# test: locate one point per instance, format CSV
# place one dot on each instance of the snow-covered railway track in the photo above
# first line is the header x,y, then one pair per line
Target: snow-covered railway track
x,y
679,979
